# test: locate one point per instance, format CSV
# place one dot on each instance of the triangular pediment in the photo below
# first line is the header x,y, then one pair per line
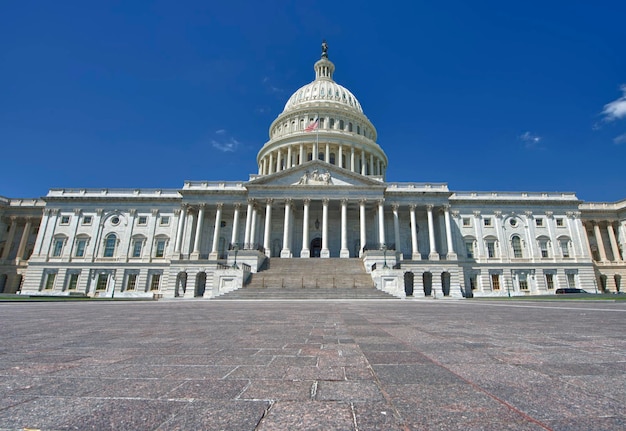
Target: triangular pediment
x,y
315,174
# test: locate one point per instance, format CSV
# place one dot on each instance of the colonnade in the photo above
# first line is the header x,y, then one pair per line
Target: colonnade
x,y
609,227
13,222
348,156
255,208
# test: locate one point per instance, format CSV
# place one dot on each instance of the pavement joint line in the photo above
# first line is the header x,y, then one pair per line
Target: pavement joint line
x,y
620,310
474,385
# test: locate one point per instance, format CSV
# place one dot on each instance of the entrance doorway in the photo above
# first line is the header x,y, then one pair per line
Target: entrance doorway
x,y
316,247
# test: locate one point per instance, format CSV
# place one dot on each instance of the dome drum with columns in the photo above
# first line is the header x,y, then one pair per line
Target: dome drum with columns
x,y
320,192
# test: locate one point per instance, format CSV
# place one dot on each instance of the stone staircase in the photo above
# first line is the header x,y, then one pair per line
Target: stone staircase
x,y
313,278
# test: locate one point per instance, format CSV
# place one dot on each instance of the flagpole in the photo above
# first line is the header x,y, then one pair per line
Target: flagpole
x,y
317,137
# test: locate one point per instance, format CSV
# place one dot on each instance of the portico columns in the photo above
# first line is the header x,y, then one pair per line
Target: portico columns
x,y
381,223
599,241
10,237
325,252
286,251
396,227
216,232
362,226
340,160
268,225
289,157
305,252
196,243
415,254
301,154
344,252
614,247
246,240
433,255
22,246
446,213
234,239
352,169
179,232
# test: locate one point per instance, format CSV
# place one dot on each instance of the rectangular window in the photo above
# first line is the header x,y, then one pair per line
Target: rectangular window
x,y
550,281
131,282
87,219
571,279
73,281
165,220
560,222
65,219
523,282
495,281
487,221
142,220
102,281
469,248
565,248
472,281
491,249
154,281
160,248
467,222
50,280
539,222
81,244
57,247
137,244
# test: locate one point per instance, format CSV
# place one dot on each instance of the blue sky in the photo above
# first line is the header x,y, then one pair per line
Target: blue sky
x,y
484,95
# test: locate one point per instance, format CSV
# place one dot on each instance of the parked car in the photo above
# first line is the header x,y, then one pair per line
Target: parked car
x,y
570,290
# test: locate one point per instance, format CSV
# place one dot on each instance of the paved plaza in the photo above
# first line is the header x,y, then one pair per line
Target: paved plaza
x,y
313,365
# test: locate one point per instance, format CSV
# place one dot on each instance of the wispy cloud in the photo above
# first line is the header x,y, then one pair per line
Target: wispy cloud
x,y
615,110
530,140
270,87
224,142
621,139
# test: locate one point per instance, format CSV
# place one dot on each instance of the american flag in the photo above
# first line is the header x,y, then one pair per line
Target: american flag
x,y
313,125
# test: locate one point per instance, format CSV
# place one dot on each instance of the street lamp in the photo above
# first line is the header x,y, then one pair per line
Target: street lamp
x,y
236,248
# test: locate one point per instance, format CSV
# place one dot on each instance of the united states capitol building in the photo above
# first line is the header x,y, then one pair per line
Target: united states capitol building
x,y
320,193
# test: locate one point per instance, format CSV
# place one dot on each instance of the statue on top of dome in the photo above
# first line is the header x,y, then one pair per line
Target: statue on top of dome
x,y
324,49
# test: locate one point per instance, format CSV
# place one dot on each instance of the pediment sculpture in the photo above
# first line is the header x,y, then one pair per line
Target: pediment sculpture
x,y
315,178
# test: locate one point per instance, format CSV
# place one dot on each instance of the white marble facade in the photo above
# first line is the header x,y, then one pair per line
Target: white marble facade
x,y
320,192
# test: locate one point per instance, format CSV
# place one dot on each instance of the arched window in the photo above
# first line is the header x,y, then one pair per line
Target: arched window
x,y
109,245
341,124
349,127
331,124
332,158
516,243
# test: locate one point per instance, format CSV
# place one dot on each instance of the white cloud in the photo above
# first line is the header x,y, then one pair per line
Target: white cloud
x,y
621,139
530,140
224,142
615,110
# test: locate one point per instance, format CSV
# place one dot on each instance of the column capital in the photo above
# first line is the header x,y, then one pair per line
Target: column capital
x,y
455,213
133,212
395,206
237,206
528,214
380,202
219,205
430,207
306,201
325,201
498,214
477,213
362,201
412,207
77,211
288,201
344,201
155,212
251,201
446,207
549,213
269,201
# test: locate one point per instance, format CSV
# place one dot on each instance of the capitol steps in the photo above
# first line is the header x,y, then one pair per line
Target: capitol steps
x,y
313,278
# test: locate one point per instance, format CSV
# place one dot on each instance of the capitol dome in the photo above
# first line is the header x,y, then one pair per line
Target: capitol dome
x,y
323,120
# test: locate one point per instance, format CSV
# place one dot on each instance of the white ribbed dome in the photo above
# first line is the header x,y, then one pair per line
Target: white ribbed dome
x,y
323,89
